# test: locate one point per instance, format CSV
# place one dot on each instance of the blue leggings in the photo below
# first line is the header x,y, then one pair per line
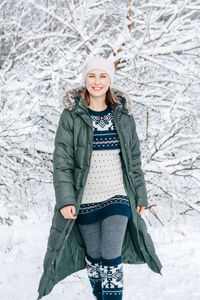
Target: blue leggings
x,y
104,238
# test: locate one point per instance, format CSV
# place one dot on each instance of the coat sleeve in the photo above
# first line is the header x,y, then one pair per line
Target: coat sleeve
x,y
63,162
140,186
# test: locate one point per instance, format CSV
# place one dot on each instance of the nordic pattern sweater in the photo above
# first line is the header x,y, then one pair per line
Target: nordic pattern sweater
x,y
104,192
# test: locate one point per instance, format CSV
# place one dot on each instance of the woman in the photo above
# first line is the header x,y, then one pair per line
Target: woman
x,y
99,187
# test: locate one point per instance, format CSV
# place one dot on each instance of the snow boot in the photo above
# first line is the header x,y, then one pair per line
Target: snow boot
x,y
94,275
112,278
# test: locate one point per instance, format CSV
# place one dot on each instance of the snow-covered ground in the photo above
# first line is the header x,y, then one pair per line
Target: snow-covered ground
x,y
23,245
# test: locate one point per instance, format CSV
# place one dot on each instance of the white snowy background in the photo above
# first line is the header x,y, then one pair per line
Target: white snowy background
x,y
155,46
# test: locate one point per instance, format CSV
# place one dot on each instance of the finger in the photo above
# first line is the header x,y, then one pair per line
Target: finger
x,y
138,208
141,209
67,215
70,216
73,210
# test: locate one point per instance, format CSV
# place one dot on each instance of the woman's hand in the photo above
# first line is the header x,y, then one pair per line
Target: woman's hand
x,y
68,212
140,209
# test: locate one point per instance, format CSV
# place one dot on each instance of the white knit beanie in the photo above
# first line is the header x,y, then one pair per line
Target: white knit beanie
x,y
97,62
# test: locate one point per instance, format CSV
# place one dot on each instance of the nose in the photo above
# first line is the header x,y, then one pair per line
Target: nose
x,y
97,80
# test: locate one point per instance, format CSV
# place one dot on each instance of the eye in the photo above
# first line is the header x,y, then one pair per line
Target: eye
x,y
102,76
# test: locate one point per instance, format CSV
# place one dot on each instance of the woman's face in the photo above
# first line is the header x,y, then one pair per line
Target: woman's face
x,y
97,82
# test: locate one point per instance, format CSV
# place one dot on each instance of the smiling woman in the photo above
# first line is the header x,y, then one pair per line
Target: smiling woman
x,y
99,187
97,86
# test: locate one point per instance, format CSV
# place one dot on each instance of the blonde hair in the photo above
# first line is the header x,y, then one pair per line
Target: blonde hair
x,y
110,97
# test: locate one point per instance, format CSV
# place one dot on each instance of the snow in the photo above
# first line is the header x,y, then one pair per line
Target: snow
x,y
23,245
155,48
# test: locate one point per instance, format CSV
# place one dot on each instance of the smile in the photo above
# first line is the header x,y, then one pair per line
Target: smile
x,y
97,89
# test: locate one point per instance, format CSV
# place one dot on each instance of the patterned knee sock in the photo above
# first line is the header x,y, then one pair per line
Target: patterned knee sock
x,y
112,278
94,275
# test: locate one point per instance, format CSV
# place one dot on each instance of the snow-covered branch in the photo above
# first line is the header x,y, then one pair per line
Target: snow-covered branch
x,y
155,46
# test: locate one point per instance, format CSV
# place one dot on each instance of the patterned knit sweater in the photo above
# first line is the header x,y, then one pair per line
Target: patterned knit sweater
x,y
104,192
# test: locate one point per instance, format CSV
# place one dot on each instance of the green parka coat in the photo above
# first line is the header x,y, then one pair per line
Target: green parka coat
x,y
71,162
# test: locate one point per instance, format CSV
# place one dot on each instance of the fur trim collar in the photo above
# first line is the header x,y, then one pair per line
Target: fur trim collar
x,y
67,99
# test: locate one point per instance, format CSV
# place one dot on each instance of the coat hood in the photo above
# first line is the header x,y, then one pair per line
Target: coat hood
x,y
68,98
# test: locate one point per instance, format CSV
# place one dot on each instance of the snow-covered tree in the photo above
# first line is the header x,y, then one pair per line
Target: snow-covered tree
x,y
155,46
